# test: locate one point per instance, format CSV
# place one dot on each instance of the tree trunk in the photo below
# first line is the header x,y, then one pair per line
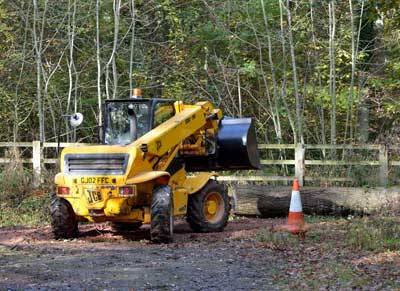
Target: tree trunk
x,y
37,43
332,72
111,61
98,61
316,66
284,84
132,46
275,111
267,201
299,117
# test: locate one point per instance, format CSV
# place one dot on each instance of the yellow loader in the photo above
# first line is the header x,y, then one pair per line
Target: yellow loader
x,y
140,173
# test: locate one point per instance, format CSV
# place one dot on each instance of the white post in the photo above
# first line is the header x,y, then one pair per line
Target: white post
x,y
36,161
299,163
383,165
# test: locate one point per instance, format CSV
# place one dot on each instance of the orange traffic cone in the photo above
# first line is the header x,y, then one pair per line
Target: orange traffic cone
x,y
296,223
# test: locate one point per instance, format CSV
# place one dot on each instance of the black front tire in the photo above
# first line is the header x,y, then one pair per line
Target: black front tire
x,y
63,220
208,209
125,226
162,215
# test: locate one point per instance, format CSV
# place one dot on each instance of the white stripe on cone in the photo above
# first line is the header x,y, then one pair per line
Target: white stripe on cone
x,y
295,202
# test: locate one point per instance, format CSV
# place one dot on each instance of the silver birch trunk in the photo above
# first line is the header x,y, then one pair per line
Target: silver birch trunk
x,y
275,111
354,54
132,45
38,59
21,72
98,58
111,60
239,94
71,40
283,87
332,73
320,109
299,119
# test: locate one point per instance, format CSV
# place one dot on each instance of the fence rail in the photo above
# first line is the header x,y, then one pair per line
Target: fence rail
x,y
38,160
299,162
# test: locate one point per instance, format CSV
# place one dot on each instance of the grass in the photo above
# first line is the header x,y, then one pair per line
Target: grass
x,y
375,233
360,253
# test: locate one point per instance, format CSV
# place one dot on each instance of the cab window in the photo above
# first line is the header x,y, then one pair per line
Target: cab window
x,y
118,130
163,111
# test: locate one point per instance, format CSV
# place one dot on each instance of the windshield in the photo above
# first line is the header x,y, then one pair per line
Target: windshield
x,y
121,117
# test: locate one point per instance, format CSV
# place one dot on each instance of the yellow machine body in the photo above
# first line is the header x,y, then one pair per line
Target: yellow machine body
x,y
127,196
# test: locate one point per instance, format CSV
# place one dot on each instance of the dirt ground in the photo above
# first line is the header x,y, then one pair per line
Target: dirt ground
x,y
102,260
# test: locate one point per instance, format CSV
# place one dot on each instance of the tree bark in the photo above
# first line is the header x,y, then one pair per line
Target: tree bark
x,y
267,201
37,43
132,45
111,61
17,98
332,72
299,117
283,87
274,111
98,58
320,108
71,42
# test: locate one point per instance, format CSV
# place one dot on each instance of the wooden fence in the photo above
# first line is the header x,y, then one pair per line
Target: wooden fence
x,y
300,163
37,159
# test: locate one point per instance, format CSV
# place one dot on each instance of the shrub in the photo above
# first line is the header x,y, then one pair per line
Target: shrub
x,y
374,234
15,181
17,205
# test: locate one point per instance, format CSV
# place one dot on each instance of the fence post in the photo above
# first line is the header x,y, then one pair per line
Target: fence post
x,y
383,165
299,163
36,161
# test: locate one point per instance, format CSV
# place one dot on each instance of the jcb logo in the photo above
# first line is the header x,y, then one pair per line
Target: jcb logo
x,y
93,196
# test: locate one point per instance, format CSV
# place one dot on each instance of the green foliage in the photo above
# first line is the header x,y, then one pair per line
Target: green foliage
x,y
377,234
374,234
14,181
32,211
17,205
191,50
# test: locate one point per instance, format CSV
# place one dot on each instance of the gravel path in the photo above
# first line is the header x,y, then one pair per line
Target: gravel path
x,y
102,260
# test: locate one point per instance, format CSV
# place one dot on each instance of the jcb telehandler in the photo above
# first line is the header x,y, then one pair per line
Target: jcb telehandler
x,y
139,175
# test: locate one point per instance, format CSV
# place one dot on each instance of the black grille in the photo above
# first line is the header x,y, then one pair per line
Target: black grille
x,y
99,164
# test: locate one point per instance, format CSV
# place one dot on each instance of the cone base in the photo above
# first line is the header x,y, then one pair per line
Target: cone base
x,y
295,228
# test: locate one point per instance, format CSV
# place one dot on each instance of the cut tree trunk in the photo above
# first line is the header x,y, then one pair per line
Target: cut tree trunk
x,y
267,201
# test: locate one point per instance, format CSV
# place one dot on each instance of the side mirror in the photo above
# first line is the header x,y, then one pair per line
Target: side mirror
x,y
76,119
131,110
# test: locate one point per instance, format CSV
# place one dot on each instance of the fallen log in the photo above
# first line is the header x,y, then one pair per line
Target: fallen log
x,y
269,201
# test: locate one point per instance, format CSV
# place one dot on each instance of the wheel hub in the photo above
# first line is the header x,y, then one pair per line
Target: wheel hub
x,y
212,206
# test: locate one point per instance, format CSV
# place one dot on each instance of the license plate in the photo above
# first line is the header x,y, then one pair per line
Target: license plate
x,y
93,196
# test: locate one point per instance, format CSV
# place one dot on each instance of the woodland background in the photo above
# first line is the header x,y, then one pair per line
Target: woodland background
x,y
309,71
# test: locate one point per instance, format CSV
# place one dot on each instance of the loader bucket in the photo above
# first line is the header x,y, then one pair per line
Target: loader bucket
x,y
237,144
236,148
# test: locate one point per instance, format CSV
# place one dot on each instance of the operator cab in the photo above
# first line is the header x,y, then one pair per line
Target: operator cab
x,y
126,120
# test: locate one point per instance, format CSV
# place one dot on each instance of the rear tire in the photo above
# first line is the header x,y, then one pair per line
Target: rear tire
x,y
208,209
63,220
125,226
162,215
